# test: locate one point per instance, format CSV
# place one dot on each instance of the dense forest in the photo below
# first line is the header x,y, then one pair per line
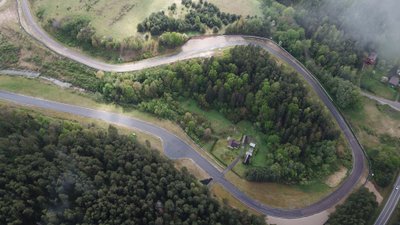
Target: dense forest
x,y
202,15
325,50
323,47
335,54
357,209
245,84
315,35
57,172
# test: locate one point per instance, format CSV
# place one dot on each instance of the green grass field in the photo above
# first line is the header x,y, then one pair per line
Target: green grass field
x,y
119,19
219,123
381,120
281,195
371,123
38,88
223,153
370,82
223,128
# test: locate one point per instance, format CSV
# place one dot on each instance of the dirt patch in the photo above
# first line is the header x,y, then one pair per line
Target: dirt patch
x,y
317,219
335,179
192,167
371,188
7,15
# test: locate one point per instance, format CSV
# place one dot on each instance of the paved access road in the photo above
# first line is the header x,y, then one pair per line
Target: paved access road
x,y
395,105
390,205
176,148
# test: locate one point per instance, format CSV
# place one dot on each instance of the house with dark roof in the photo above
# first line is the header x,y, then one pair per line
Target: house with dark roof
x,y
394,77
394,81
371,59
233,144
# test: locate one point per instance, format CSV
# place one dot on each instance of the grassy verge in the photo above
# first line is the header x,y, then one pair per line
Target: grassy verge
x,y
220,193
276,194
43,90
192,167
378,135
142,138
370,81
240,7
280,195
120,19
381,120
47,91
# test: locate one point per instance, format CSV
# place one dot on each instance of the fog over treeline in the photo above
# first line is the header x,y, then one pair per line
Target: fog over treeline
x,y
371,22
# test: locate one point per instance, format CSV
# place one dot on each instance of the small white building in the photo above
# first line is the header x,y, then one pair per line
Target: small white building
x,y
249,153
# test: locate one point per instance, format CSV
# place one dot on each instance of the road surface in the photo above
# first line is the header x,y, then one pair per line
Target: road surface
x,y
175,147
390,205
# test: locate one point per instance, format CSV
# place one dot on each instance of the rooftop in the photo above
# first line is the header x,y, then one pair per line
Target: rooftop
x,y
394,80
233,143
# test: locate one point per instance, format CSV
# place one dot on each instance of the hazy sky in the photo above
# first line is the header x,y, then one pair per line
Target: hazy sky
x,y
374,20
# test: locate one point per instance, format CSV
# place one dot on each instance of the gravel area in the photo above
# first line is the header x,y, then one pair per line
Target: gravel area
x,y
57,82
24,73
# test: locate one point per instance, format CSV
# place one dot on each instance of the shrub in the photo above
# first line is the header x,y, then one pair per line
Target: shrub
x,y
172,39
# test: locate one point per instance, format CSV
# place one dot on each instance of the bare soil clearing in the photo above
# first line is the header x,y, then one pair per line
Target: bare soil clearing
x,y
335,179
317,219
371,188
7,15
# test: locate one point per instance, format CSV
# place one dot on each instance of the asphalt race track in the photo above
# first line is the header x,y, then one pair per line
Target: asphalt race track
x,y
174,147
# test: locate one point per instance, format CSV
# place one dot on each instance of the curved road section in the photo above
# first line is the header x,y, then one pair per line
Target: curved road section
x,y
175,147
390,205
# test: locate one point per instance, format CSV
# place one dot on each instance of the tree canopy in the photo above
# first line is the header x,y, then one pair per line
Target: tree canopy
x,y
201,15
246,84
314,37
58,172
357,209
